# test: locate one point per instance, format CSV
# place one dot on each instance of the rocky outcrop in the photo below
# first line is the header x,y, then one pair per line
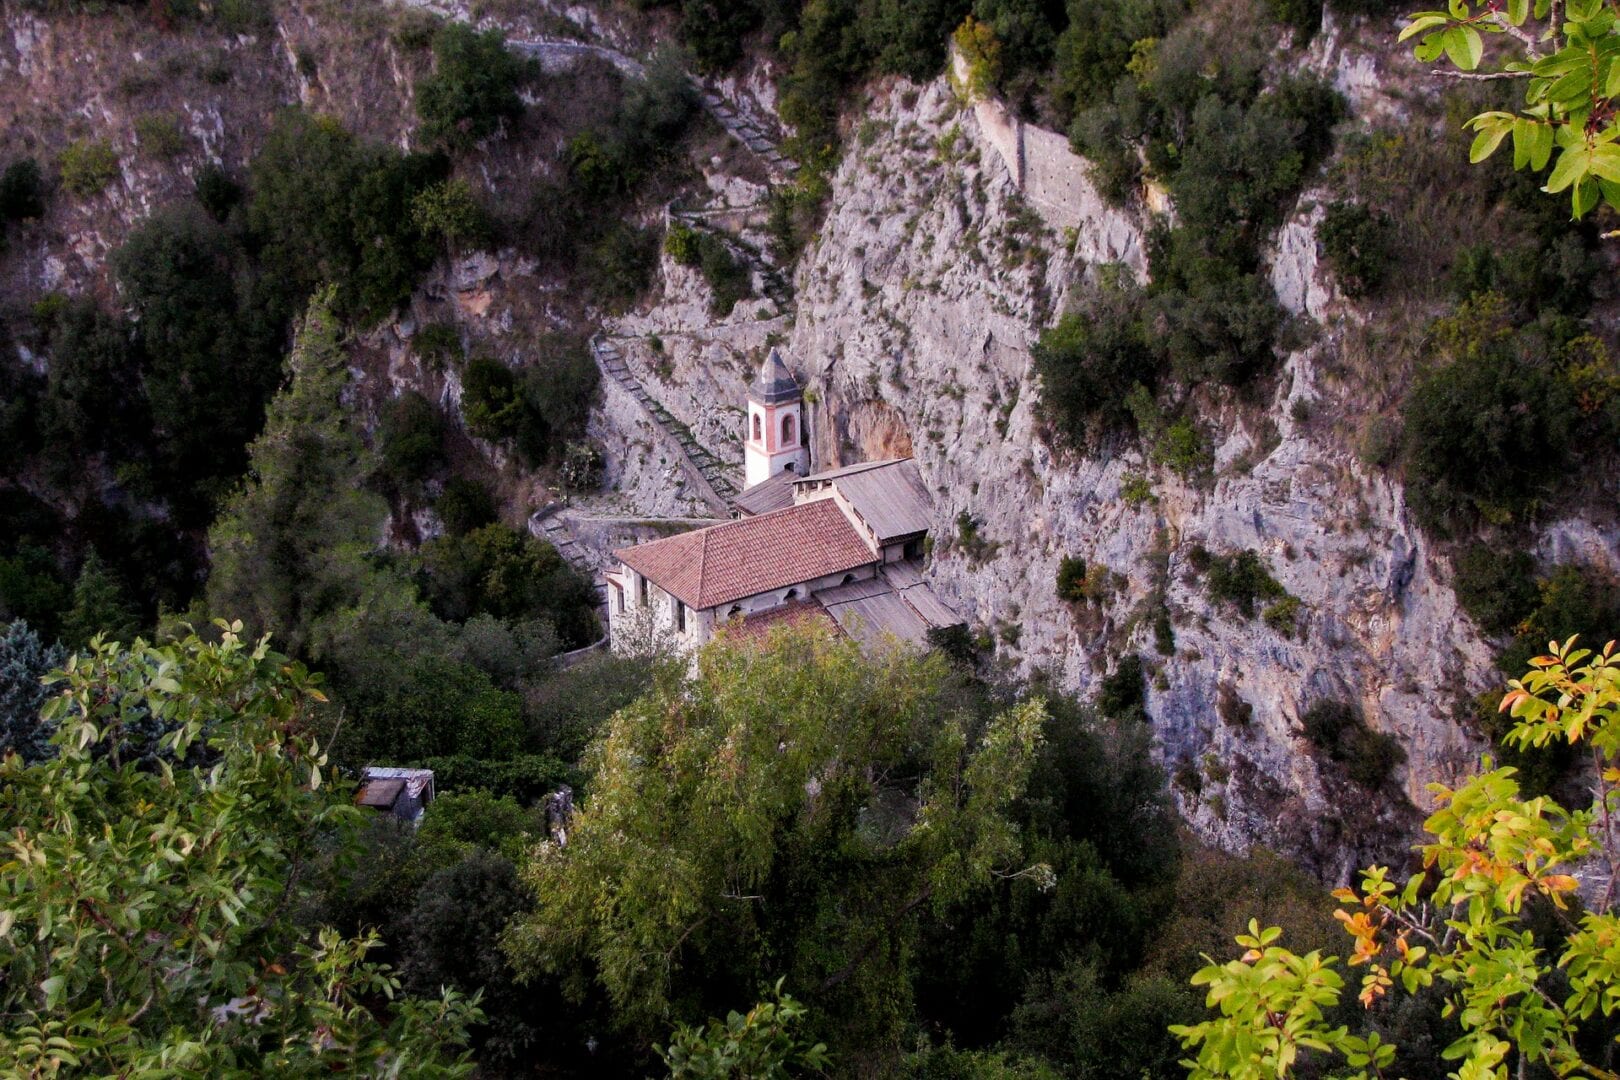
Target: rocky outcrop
x,y
915,315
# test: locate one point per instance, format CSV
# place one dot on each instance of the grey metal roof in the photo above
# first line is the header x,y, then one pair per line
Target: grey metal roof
x,y
888,496
873,619
774,384
767,495
896,604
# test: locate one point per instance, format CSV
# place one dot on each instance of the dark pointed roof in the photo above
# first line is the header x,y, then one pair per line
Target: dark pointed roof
x,y
774,384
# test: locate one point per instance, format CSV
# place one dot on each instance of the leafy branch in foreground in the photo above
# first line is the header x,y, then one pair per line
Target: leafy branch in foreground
x,y
1467,927
146,901
1569,58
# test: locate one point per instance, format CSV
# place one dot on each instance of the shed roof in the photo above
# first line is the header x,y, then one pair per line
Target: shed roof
x,y
889,496
752,555
767,495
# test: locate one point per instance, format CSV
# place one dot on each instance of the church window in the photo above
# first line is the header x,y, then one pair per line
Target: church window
x,y
792,594
848,579
735,612
680,616
787,430
641,589
757,435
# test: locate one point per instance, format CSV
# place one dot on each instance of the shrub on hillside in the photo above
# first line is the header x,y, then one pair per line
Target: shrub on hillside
x,y
464,505
412,439
1338,730
159,135
22,191
87,167
1486,432
473,88
1089,361
1356,243
1496,586
1071,580
1240,579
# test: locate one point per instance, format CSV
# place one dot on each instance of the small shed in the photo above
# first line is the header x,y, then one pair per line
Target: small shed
x,y
405,793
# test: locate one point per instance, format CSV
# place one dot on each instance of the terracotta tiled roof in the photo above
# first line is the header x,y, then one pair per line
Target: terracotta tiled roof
x,y
754,629
727,562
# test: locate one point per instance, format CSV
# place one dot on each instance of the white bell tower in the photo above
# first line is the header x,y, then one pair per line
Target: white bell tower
x,y
775,439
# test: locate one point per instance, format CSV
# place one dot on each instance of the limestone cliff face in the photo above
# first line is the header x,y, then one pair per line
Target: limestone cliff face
x,y
916,310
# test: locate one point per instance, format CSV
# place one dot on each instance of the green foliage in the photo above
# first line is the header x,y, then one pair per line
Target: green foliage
x,y
473,88
159,135
101,605
290,549
500,571
1356,242
618,267
94,396
728,279
1304,16
764,1044
1338,729
490,399
87,167
464,505
438,345
1487,921
1089,362
216,192
1123,694
1240,579
450,212
328,208
751,810
525,778
25,661
411,437
714,30
212,349
31,587
1495,585
1567,125
112,969
22,191
1489,427
1071,580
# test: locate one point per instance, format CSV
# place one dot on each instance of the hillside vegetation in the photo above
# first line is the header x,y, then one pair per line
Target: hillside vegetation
x,y
298,364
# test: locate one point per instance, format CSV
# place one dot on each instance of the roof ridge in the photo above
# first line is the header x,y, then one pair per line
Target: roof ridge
x,y
703,559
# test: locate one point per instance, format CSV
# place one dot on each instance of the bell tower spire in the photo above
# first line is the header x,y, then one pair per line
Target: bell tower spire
x,y
775,439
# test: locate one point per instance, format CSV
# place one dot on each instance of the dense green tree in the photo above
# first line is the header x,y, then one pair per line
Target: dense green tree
x,y
1089,362
329,208
95,399
116,967
22,191
213,356
411,438
25,660
292,547
498,570
758,813
1488,426
473,87
101,605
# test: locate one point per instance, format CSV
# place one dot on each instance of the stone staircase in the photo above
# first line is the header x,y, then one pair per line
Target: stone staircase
x,y
544,524
747,132
706,464
772,281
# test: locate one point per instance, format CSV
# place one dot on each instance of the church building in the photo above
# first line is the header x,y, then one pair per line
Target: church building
x,y
842,548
